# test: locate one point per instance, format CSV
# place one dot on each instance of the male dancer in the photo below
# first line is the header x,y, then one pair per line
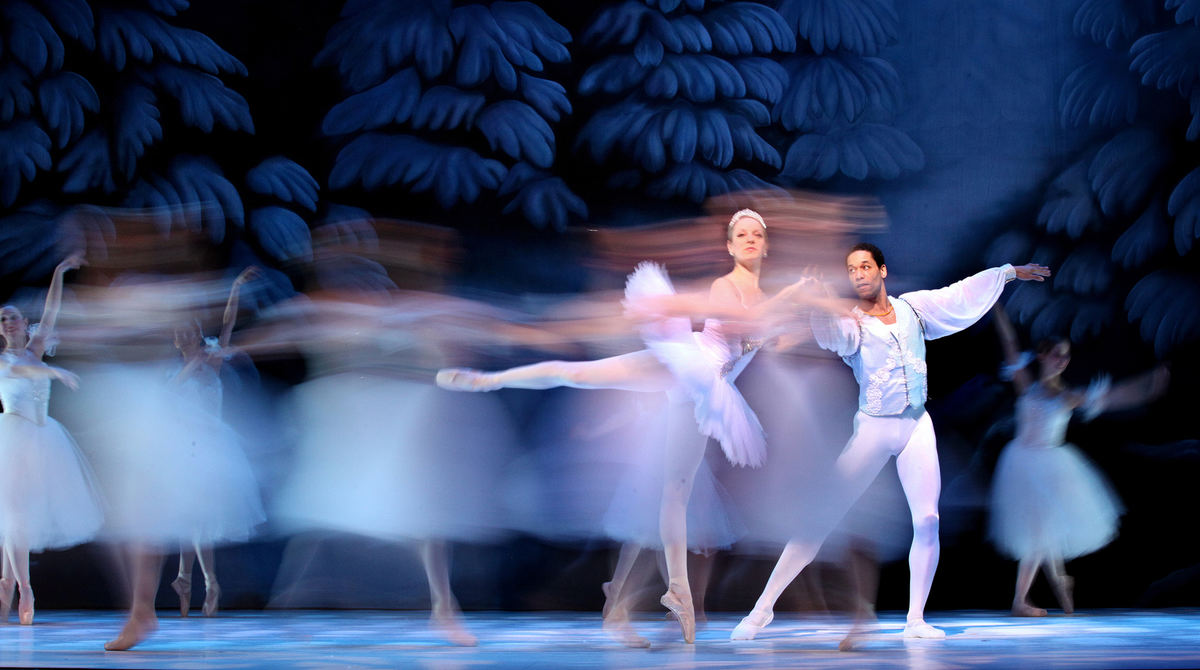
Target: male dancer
x,y
883,340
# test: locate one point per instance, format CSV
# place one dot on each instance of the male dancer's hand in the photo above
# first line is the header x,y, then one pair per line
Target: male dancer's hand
x,y
1032,272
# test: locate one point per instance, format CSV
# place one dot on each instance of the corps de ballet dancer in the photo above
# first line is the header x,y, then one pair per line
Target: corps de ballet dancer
x,y
694,368
173,471
1048,502
48,496
882,339
381,452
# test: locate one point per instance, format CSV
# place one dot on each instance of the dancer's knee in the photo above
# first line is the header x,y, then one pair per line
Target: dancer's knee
x,y
925,528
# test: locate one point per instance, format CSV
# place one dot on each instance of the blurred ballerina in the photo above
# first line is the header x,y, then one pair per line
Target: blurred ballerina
x,y
175,471
382,453
47,494
1049,503
699,368
198,380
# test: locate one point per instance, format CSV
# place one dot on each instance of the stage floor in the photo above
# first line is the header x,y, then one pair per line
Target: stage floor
x,y
376,639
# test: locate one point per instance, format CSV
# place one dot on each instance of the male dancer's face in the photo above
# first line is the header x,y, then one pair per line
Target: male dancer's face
x,y
865,276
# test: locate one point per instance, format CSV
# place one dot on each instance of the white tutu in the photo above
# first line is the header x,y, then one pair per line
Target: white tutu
x,y
47,491
171,470
394,459
705,367
1051,500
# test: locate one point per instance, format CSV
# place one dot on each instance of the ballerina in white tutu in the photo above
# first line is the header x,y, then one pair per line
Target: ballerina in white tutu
x,y
1049,503
176,475
47,496
695,368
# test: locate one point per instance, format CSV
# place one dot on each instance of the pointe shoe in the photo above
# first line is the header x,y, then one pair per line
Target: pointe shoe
x,y
212,592
25,607
1066,594
853,639
1027,610
183,587
617,627
463,379
451,628
6,598
606,589
135,631
922,630
683,612
750,626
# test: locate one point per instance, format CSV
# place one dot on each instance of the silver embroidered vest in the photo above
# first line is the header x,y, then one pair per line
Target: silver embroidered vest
x,y
890,362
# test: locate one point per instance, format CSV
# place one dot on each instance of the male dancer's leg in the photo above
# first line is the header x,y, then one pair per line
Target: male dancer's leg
x,y
921,478
864,456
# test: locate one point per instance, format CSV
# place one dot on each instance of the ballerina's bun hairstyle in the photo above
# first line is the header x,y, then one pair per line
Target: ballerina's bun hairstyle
x,y
744,213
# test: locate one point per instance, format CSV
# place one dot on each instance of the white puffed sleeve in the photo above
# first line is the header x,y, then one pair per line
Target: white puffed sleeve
x,y
839,334
946,311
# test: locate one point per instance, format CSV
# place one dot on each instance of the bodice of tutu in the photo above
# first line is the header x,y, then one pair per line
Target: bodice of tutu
x,y
734,353
27,398
201,388
1042,418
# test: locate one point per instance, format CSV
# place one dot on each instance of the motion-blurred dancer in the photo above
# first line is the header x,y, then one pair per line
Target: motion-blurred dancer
x,y
699,368
173,470
1049,503
882,339
47,494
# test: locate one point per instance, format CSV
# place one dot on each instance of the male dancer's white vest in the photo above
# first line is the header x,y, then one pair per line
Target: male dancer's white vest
x,y
889,365
889,360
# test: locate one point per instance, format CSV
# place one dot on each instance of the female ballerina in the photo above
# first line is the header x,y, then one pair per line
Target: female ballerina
x,y
696,367
175,472
1049,503
198,379
47,495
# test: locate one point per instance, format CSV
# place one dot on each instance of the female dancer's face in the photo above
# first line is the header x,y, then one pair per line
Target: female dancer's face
x,y
13,324
747,240
1054,361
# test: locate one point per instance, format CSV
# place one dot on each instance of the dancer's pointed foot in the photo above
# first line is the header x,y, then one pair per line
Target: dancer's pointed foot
x,y
919,629
449,626
1066,594
136,629
465,379
679,601
1027,609
616,625
854,638
751,625
609,601
183,587
25,608
212,593
6,598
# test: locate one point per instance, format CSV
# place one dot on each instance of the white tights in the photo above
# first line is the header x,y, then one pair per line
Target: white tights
x,y
910,438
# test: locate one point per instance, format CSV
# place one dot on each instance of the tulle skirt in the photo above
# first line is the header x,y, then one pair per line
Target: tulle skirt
x,y
698,365
48,496
170,471
395,459
1052,501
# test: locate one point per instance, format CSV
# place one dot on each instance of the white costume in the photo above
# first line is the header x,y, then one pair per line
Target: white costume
x,y
705,365
47,494
382,455
888,361
171,469
1047,498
